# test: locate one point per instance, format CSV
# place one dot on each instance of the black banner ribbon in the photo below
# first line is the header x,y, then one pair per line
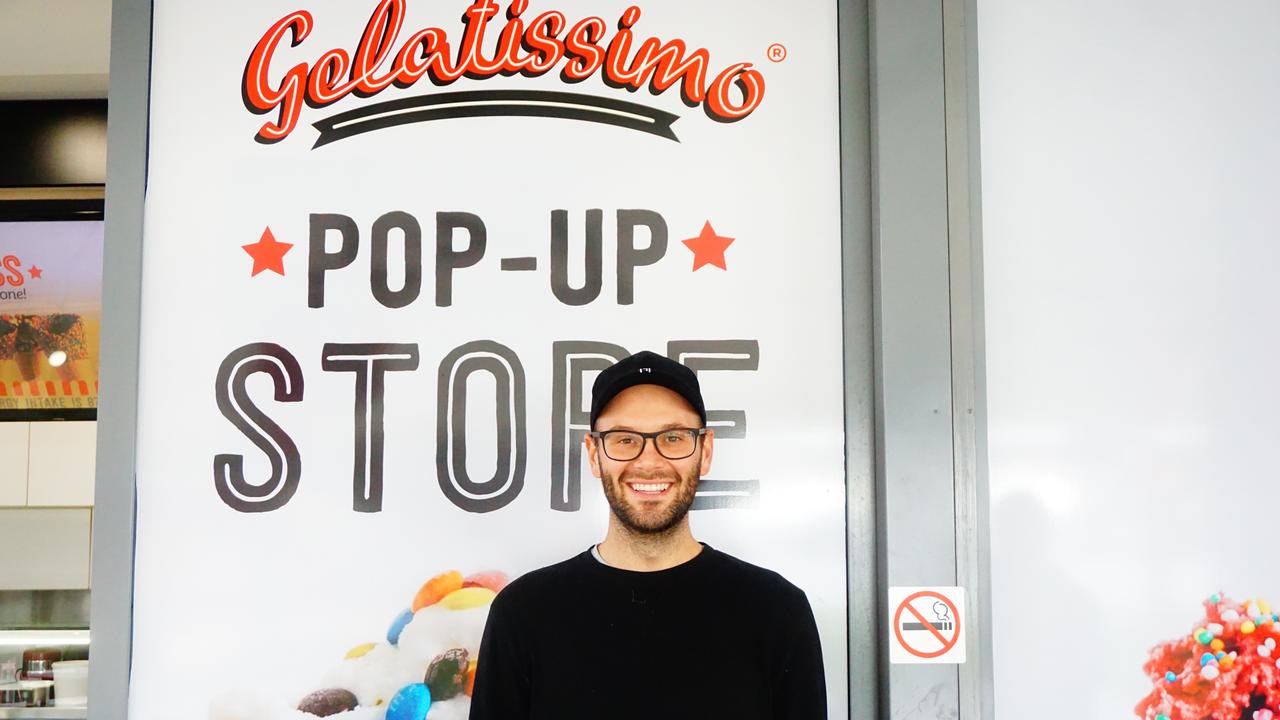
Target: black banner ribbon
x,y
496,103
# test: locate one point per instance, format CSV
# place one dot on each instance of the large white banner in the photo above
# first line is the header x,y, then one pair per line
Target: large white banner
x,y
1131,350
389,246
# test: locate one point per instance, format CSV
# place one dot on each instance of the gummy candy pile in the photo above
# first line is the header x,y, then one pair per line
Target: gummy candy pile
x,y
424,667
1228,668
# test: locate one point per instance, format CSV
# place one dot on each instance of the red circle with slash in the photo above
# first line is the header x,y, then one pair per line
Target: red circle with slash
x,y
947,645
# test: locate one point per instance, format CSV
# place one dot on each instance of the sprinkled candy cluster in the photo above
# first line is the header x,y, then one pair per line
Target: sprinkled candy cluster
x,y
423,668
1228,668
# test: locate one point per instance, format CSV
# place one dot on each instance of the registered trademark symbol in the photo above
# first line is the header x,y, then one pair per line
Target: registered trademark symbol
x,y
777,52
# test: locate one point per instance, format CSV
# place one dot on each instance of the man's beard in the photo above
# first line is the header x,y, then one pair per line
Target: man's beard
x,y
647,523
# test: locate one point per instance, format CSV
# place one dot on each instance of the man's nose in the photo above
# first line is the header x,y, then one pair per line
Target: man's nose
x,y
650,453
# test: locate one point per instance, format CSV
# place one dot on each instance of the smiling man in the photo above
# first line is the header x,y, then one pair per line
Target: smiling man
x,y
650,623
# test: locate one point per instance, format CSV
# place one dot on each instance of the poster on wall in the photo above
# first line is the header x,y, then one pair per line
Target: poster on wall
x,y
50,316
388,247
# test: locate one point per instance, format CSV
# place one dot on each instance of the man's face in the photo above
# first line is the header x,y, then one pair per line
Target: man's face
x,y
650,494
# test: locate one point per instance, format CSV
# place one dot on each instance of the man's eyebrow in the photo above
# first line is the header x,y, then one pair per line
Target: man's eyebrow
x,y
668,426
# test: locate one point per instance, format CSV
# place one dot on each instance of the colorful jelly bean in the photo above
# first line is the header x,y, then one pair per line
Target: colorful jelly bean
x,y
1208,672
1215,628
471,678
1205,659
492,579
436,588
1204,637
1215,598
467,598
411,703
359,651
1247,627
397,626
1170,676
1217,645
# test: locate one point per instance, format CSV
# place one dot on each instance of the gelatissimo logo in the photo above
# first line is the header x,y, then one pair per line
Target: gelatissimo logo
x,y
388,56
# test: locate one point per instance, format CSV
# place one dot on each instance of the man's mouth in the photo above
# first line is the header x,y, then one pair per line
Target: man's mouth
x,y
649,489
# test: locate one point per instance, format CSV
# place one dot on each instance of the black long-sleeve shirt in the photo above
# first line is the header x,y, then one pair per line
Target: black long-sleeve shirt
x,y
714,637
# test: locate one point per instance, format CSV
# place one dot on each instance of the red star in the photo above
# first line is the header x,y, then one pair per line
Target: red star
x,y
36,273
708,248
267,254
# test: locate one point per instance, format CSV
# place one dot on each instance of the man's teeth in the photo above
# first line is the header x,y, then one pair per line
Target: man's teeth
x,y
650,487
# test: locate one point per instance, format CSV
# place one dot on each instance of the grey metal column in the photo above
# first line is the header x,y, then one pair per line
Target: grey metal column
x,y
929,483
855,223
968,372
111,605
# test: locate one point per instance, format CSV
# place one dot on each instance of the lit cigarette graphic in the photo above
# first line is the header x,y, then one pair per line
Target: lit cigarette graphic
x,y
921,626
940,611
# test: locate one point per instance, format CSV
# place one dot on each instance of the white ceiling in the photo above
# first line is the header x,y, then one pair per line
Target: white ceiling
x,y
54,48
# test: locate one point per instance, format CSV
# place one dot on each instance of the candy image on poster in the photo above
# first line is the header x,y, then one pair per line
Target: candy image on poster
x,y
1227,668
423,666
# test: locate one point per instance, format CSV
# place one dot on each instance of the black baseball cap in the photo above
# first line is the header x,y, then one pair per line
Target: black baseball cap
x,y
646,368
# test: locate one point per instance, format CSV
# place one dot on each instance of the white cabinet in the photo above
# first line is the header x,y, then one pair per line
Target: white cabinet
x,y
61,465
45,549
14,437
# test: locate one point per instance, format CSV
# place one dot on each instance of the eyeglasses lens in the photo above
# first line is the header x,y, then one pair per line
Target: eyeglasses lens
x,y
671,444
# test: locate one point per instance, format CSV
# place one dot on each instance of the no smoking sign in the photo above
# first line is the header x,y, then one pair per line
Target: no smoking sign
x,y
926,625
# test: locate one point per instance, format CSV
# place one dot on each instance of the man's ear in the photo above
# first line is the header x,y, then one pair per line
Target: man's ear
x,y
708,448
593,454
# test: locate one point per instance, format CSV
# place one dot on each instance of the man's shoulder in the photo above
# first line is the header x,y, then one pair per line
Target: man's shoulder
x,y
756,579
544,582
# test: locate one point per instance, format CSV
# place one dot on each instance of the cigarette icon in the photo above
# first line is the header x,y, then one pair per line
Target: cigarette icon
x,y
940,611
940,625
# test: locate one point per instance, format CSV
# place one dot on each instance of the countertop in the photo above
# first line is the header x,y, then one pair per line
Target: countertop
x,y
44,713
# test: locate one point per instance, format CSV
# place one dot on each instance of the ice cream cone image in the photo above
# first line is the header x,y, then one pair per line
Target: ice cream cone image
x,y
28,364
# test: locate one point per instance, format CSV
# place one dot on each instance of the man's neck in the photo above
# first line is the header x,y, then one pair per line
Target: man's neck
x,y
626,549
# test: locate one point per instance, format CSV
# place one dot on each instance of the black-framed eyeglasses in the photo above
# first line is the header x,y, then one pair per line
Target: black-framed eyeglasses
x,y
672,443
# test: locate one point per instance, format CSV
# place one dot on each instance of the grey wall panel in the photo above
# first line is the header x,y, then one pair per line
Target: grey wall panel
x,y
855,190
918,439
111,606
960,47
913,304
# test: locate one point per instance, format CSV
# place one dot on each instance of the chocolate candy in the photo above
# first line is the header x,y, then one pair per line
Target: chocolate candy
x,y
447,674
411,703
323,703
397,627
